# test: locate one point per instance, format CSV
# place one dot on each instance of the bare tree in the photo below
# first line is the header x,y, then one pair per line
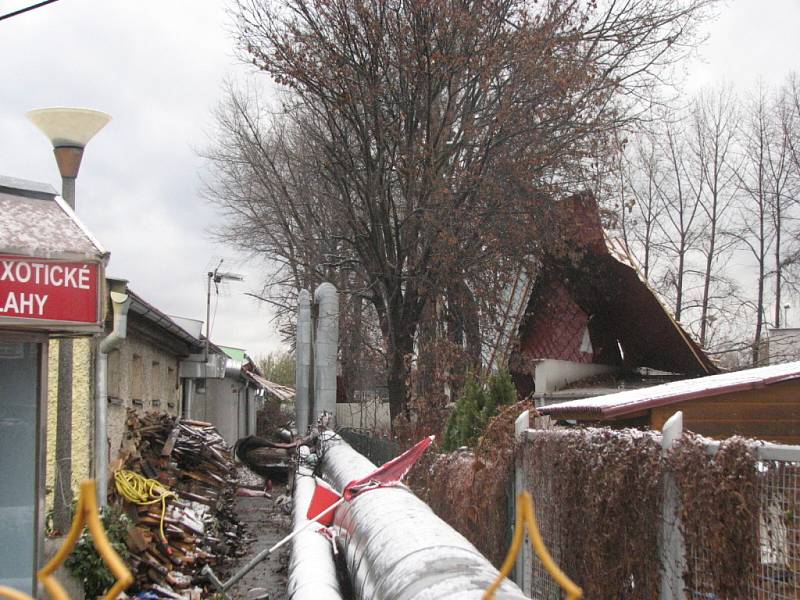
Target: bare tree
x,y
431,136
680,191
715,119
755,230
641,174
780,175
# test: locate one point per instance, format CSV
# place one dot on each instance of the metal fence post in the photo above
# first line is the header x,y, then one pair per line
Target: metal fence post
x,y
521,573
673,558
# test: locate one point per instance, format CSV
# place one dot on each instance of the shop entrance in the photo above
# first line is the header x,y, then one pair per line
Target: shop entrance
x,y
21,487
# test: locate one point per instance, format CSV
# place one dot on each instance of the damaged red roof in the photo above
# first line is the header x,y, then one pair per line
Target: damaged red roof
x,y
590,283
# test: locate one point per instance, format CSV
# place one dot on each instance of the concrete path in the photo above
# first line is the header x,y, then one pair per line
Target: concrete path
x,y
266,524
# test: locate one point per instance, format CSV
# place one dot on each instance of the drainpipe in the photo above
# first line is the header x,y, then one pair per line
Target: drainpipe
x,y
120,302
326,348
302,371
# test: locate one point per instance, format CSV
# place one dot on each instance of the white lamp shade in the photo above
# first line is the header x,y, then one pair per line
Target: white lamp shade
x,y
69,126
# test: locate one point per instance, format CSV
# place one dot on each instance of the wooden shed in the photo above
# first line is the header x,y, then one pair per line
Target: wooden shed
x,y
761,403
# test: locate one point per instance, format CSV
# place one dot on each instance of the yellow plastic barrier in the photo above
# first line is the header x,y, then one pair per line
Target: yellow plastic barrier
x,y
527,517
86,514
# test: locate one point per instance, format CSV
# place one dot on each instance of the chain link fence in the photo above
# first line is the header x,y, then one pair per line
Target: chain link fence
x,y
776,576
378,449
777,573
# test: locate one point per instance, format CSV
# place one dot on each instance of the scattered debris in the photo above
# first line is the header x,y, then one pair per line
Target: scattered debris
x,y
191,459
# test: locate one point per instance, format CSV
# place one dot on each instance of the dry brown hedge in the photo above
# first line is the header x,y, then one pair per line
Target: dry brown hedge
x,y
470,490
601,491
719,515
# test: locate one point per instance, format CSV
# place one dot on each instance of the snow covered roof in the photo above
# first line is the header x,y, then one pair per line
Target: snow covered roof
x,y
631,401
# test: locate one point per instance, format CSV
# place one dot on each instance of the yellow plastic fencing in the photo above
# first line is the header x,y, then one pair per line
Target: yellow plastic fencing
x,y
526,517
86,514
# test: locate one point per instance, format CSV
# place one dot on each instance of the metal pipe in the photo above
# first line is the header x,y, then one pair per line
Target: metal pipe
x,y
326,349
188,390
312,572
120,302
396,548
302,362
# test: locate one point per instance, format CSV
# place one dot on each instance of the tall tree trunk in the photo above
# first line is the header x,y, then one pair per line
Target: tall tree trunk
x,y
707,280
397,375
778,267
679,282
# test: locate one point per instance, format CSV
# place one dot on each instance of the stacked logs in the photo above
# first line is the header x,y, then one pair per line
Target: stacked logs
x,y
191,459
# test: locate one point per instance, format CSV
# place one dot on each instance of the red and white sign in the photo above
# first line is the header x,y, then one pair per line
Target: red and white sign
x,y
50,290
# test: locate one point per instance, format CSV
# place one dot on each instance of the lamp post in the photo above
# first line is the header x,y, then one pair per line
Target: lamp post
x,y
69,130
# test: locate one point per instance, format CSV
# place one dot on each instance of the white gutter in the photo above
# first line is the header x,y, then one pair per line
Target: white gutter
x,y
120,302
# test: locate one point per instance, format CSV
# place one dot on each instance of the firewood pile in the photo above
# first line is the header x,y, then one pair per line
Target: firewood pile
x,y
191,459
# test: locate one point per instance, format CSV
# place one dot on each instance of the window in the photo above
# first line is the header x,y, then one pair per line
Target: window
x,y
156,386
170,385
137,379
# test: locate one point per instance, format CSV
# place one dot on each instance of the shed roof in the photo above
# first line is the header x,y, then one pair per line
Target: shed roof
x,y
280,392
633,401
234,353
149,312
34,221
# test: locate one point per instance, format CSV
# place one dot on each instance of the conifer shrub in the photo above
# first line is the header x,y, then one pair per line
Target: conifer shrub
x,y
477,404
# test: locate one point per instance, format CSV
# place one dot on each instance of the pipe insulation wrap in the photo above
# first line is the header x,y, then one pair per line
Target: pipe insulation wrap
x,y
312,572
303,362
396,548
326,349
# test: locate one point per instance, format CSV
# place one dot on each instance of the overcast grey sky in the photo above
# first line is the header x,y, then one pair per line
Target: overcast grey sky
x,y
157,67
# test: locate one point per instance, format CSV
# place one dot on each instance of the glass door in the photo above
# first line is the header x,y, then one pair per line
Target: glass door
x,y
20,394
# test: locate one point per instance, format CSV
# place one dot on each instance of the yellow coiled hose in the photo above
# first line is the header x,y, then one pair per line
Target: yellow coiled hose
x,y
143,491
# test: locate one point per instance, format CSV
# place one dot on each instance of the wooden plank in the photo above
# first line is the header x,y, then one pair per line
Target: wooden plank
x,y
170,443
741,411
762,430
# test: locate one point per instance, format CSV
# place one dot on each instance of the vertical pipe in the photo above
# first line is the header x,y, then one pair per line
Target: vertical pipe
x,y
188,390
62,500
673,562
68,191
326,348
120,302
521,570
302,362
101,427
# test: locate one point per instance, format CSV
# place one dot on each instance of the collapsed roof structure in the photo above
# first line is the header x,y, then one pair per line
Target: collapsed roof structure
x,y
590,312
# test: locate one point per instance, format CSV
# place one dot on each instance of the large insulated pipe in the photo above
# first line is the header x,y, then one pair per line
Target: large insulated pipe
x,y
312,572
396,548
302,370
326,348
120,302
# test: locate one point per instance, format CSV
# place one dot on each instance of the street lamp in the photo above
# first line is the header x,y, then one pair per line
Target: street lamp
x,y
69,130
